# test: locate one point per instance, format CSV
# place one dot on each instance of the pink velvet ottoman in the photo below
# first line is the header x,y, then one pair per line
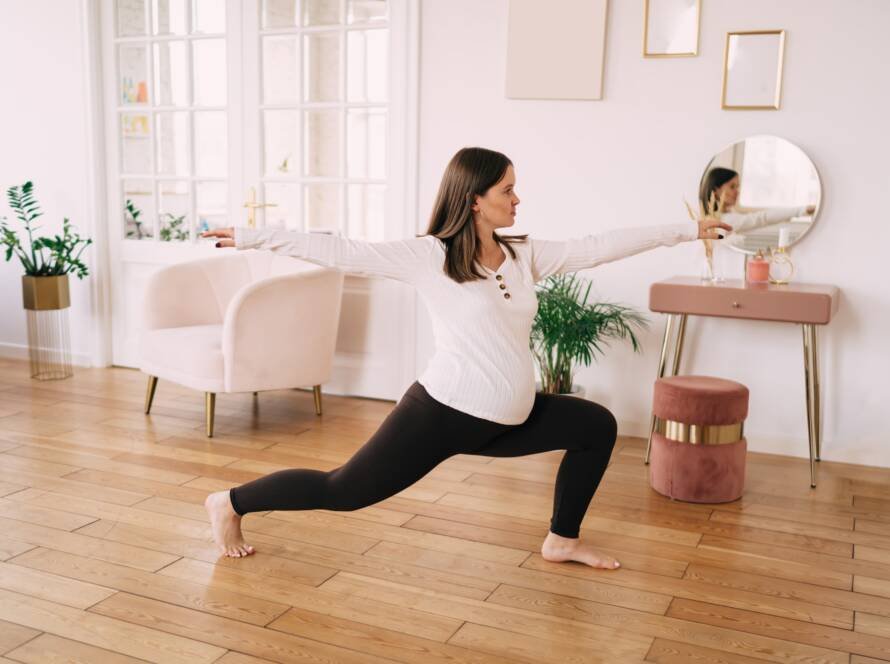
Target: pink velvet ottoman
x,y
698,448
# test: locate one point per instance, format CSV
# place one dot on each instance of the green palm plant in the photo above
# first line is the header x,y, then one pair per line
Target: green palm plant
x,y
568,330
43,256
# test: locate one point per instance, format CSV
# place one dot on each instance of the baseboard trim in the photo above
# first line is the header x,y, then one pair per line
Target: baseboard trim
x,y
20,352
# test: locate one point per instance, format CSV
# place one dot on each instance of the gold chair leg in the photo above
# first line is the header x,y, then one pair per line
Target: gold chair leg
x,y
209,408
808,385
662,365
150,393
316,392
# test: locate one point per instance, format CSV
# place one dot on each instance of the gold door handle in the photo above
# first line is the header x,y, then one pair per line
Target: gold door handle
x,y
252,205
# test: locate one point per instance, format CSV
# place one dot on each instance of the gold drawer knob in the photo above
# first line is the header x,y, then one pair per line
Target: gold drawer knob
x,y
736,305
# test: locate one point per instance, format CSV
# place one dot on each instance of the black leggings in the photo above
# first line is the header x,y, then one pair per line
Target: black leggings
x,y
421,432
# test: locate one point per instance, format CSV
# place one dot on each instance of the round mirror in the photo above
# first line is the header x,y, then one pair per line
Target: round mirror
x,y
766,188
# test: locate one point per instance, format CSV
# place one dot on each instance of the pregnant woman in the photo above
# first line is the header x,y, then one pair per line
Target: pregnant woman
x,y
477,395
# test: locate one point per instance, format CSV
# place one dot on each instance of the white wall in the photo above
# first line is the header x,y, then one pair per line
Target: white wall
x,y
43,139
628,160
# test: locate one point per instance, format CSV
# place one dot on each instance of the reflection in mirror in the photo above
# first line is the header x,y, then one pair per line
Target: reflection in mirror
x,y
752,70
671,28
766,188
139,209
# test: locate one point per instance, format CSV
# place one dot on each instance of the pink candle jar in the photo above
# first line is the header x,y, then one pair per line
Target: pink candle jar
x,y
757,270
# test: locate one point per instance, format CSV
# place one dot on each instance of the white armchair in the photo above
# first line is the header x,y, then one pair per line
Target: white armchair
x,y
243,322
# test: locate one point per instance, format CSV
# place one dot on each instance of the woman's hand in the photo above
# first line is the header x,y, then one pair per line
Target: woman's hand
x,y
227,236
707,229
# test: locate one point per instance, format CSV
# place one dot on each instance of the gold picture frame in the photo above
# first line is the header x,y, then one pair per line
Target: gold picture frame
x,y
728,99
647,11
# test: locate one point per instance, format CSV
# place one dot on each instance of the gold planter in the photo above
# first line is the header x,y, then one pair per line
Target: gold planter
x,y
46,300
45,293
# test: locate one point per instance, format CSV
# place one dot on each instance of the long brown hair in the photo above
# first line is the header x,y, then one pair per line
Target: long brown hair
x,y
470,173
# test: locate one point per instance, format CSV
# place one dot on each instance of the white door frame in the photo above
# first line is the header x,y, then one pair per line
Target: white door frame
x,y
404,111
89,14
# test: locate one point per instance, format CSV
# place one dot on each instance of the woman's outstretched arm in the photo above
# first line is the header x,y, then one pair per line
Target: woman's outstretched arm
x,y
398,259
555,257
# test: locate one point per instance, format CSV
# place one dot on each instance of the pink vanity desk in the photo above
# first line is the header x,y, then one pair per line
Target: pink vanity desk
x,y
808,305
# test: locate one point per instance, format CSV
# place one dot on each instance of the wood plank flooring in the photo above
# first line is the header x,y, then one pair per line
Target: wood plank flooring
x,y
107,556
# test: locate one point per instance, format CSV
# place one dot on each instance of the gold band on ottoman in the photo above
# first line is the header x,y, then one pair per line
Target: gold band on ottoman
x,y
700,434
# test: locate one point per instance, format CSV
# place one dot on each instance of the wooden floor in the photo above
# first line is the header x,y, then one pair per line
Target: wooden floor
x,y
106,555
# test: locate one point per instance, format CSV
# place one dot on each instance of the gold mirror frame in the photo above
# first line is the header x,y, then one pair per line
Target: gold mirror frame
x,y
647,54
777,100
819,200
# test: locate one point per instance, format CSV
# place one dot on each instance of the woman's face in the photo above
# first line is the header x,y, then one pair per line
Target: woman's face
x,y
497,208
729,193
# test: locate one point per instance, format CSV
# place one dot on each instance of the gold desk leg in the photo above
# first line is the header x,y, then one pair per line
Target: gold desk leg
x,y
150,393
662,365
808,385
316,392
209,408
817,393
681,336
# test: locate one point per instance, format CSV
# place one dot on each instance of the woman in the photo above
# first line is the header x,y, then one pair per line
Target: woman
x,y
721,185
477,396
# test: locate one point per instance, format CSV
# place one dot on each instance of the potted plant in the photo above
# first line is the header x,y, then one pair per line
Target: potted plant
x,y
568,330
47,262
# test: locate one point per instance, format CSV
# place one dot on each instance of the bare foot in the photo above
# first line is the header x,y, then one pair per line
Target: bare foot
x,y
561,549
226,526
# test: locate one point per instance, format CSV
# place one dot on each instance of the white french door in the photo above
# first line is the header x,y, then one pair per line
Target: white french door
x,y
303,109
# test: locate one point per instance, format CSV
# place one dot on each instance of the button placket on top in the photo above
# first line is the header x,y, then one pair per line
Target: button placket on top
x,y
502,285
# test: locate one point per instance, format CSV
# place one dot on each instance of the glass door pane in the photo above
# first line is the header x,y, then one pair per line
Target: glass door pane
x,y
177,131
174,211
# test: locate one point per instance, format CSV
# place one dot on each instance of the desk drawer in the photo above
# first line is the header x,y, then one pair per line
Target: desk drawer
x,y
776,304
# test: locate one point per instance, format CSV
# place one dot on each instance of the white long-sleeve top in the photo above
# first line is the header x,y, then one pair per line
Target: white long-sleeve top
x,y
482,365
